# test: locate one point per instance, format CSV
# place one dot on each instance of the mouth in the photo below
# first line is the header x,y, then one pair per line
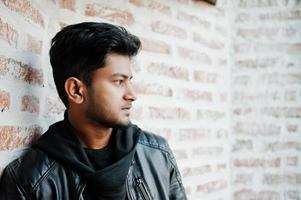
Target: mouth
x,y
126,108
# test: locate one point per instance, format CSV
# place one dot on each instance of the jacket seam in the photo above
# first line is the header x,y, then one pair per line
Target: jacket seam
x,y
43,176
155,146
13,175
170,157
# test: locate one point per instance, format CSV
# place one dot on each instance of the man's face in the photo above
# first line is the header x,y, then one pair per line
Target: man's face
x,y
111,94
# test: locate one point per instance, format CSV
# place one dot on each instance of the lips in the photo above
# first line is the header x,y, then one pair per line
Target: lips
x,y
128,107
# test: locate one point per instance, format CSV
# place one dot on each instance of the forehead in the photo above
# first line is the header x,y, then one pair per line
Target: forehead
x,y
115,64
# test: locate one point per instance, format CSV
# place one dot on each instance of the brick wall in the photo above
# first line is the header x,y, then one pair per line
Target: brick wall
x,y
221,83
265,123
181,77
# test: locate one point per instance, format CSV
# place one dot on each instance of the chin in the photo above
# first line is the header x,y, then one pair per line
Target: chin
x,y
122,124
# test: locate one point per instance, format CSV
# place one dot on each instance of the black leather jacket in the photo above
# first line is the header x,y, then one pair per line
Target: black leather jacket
x,y
152,175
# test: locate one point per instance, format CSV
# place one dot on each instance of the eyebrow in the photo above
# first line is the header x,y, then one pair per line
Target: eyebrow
x,y
122,75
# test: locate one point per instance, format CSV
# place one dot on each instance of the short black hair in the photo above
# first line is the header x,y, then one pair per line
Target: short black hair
x,y
79,49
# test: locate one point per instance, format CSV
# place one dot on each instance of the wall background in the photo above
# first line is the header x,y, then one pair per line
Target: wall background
x,y
221,83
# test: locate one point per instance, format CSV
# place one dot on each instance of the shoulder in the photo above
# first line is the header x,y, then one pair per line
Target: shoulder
x,y
153,140
29,169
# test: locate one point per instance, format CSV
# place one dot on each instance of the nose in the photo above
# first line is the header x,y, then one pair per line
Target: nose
x,y
130,94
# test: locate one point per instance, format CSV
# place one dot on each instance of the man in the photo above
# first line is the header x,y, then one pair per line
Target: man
x,y
95,152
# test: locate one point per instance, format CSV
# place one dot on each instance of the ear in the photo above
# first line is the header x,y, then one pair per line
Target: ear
x,y
75,90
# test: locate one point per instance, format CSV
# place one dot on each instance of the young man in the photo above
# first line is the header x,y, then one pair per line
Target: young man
x,y
95,152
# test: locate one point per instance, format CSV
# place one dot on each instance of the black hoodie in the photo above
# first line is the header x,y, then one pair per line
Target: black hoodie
x,y
62,144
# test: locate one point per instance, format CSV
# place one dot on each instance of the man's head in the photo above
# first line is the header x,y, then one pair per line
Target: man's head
x,y
91,69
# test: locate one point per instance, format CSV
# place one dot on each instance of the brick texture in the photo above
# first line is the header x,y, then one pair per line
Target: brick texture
x,y
26,9
112,14
221,83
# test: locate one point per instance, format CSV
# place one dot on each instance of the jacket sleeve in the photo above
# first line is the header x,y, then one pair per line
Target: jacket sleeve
x,y
176,189
9,189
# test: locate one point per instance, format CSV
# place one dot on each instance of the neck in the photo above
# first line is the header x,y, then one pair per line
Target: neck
x,y
91,136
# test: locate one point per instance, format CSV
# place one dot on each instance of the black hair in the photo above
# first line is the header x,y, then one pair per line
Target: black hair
x,y
79,49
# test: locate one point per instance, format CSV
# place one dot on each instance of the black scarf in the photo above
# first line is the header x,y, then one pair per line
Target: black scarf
x,y
109,183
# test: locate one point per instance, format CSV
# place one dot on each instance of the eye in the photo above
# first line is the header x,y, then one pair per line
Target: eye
x,y
118,82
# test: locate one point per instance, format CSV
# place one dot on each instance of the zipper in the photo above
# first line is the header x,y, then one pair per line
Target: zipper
x,y
142,188
128,190
81,191
130,197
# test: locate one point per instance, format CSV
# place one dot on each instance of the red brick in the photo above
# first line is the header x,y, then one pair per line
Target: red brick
x,y
205,77
208,151
169,113
207,42
4,101
196,95
12,137
169,29
34,45
153,88
212,186
153,5
115,15
155,46
21,71
26,9
256,129
211,115
168,70
194,20
8,135
193,55
282,112
257,162
193,134
30,104
196,171
68,4
8,33
3,66
55,106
